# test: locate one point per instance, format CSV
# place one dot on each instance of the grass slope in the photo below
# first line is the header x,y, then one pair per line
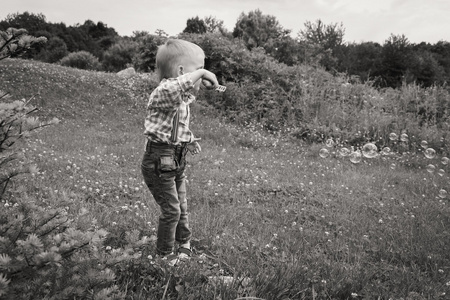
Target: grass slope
x,y
271,211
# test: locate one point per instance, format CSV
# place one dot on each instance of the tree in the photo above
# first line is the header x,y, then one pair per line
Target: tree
x,y
214,26
14,42
362,60
395,59
195,25
321,42
29,21
258,30
424,69
54,50
147,46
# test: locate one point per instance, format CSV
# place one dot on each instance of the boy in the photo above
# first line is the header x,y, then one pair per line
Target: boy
x,y
180,69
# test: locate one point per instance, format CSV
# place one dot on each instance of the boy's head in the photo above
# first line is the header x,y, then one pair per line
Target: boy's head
x,y
177,57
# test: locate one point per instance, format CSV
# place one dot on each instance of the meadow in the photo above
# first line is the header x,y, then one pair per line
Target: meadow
x,y
272,217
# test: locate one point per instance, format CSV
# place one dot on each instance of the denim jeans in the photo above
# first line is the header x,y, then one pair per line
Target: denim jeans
x,y
163,171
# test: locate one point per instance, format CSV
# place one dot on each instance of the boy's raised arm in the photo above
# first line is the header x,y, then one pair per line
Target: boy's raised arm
x,y
204,74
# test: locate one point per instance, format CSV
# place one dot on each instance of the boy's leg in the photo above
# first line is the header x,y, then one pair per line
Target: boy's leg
x,y
163,189
183,233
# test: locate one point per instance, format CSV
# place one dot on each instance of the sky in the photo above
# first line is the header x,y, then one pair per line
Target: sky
x,y
363,20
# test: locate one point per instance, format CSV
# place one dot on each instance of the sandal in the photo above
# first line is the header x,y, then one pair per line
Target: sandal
x,y
184,253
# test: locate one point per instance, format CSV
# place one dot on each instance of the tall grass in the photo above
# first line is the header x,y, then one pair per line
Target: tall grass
x,y
265,209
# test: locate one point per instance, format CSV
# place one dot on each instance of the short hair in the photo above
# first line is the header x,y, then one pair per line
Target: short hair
x,y
172,53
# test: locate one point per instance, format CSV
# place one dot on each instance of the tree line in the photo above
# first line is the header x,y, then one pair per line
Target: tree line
x,y
391,64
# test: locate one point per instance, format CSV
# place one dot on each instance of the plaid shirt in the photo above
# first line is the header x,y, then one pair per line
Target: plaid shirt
x,y
170,97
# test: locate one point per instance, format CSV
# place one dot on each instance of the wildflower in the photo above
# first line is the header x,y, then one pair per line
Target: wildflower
x,y
354,295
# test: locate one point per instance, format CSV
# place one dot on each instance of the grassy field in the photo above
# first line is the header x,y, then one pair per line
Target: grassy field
x,y
281,220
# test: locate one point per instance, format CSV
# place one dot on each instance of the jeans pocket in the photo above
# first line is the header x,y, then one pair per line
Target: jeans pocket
x,y
167,163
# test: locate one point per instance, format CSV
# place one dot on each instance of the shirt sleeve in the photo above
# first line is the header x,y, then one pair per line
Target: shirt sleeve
x,y
169,93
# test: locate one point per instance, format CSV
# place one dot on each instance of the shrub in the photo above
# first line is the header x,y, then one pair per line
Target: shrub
x,y
144,59
14,42
81,60
43,252
119,55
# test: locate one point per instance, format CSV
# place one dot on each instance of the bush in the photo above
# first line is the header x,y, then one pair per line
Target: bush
x,y
119,55
145,57
55,50
81,60
43,252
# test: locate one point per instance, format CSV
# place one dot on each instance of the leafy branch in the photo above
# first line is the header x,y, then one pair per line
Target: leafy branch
x,y
14,42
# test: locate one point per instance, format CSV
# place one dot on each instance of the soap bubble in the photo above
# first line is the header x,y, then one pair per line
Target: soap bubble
x,y
442,193
424,144
344,152
386,151
404,137
441,172
324,153
393,136
445,160
329,143
369,150
431,168
430,153
355,157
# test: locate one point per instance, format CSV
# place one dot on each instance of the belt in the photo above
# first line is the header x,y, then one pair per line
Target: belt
x,y
165,145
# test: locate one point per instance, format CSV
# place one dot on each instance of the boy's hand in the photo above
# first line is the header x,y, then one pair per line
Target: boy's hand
x,y
209,80
194,146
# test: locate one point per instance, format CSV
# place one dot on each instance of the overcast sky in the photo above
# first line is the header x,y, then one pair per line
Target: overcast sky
x,y
363,20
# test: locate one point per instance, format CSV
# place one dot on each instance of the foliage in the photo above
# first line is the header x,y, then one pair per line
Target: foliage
x,y
269,213
119,56
81,60
259,30
55,50
144,59
319,44
44,251
322,42
89,36
214,25
15,42
195,25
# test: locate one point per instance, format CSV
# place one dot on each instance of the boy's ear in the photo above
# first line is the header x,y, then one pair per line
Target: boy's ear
x,y
180,70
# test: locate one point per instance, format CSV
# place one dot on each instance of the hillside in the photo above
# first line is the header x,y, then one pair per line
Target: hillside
x,y
272,218
68,92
